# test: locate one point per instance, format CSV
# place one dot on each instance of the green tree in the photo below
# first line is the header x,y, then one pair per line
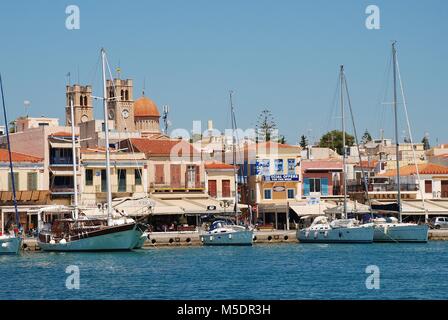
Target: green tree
x,y
366,137
426,144
303,141
265,125
333,140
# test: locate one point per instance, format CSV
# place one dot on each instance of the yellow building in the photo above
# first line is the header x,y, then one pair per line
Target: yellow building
x,y
220,180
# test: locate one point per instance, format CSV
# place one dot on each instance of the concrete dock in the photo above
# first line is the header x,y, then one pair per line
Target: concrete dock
x,y
192,238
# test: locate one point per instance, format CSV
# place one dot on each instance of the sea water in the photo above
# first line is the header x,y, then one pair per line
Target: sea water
x,y
284,271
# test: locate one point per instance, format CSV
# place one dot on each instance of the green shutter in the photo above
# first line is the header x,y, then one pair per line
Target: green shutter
x,y
32,181
16,181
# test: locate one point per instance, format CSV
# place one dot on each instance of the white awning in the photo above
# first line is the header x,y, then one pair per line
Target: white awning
x,y
62,172
64,145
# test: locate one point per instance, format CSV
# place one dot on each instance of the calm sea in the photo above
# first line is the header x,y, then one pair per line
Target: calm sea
x,y
286,271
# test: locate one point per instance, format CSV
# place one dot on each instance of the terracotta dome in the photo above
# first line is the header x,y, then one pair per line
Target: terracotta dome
x,y
144,107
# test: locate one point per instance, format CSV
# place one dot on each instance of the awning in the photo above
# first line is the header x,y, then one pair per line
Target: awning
x,y
309,209
64,145
62,172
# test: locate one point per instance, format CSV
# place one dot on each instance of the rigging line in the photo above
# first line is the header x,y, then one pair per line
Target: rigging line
x,y
332,114
357,144
410,137
380,101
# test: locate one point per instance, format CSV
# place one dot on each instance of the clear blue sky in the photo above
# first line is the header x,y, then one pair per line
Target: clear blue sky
x,y
283,55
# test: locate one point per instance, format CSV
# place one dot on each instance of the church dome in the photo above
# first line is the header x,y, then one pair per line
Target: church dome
x,y
145,107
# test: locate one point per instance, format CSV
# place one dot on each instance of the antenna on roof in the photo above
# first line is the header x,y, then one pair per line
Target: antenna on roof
x,y
166,110
144,85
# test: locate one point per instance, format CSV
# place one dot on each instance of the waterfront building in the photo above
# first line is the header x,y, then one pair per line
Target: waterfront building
x,y
269,178
220,180
128,175
29,181
322,178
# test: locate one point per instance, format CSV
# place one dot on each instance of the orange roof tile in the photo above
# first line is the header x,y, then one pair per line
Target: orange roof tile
x,y
216,165
62,134
17,157
163,147
426,168
270,145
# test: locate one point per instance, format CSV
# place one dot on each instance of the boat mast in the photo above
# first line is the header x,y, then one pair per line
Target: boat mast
x,y
10,157
74,155
397,143
106,134
344,151
232,118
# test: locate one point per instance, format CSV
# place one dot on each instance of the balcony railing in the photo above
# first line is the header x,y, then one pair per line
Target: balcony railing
x,y
381,187
62,161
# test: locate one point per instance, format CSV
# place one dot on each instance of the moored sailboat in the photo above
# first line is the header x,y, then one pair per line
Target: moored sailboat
x,y
339,230
83,233
391,229
11,240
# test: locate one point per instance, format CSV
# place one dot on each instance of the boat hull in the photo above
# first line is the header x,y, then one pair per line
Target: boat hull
x,y
236,238
141,241
338,235
401,233
10,245
120,238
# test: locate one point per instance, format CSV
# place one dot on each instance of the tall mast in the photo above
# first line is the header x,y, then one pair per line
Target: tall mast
x,y
397,142
10,157
344,151
232,118
74,154
106,134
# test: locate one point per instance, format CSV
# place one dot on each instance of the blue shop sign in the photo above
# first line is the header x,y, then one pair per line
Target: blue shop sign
x,y
282,177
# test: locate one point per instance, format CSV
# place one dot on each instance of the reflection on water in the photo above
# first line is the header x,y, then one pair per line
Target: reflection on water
x,y
286,271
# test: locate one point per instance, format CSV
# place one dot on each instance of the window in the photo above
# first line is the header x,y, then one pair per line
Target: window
x,y
138,177
428,186
263,167
268,194
32,181
159,174
89,177
291,193
191,170
121,180
315,185
291,166
226,188
278,166
16,181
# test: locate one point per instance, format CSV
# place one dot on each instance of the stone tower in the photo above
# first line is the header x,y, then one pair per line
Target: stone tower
x,y
120,106
82,104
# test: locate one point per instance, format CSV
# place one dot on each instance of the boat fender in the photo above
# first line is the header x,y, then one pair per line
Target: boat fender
x,y
63,241
211,238
326,233
5,244
307,234
230,236
316,234
52,241
386,229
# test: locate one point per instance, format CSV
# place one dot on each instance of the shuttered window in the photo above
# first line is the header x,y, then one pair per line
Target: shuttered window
x,y
226,188
16,181
159,174
138,177
32,181
428,186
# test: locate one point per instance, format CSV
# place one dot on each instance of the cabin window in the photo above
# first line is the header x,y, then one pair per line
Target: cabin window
x,y
267,194
89,177
428,186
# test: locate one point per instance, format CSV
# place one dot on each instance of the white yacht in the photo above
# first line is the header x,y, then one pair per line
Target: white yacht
x,y
339,230
223,232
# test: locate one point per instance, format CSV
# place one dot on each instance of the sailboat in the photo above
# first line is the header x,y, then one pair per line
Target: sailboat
x,y
223,231
344,230
391,229
82,233
11,241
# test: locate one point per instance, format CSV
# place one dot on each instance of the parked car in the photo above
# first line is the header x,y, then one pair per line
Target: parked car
x,y
439,222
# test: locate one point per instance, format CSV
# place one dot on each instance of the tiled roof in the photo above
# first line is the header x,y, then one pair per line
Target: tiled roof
x,y
17,157
321,165
426,168
216,165
163,147
367,164
62,134
270,145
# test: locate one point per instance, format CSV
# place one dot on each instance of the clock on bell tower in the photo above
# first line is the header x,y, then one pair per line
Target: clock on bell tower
x,y
120,104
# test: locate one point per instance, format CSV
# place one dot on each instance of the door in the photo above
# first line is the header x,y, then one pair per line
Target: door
x,y
212,188
121,180
444,188
175,175
103,181
226,188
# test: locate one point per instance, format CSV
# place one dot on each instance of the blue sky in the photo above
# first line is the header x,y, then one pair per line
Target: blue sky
x,y
281,55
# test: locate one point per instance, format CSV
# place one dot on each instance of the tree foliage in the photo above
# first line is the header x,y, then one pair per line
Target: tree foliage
x,y
333,140
303,141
